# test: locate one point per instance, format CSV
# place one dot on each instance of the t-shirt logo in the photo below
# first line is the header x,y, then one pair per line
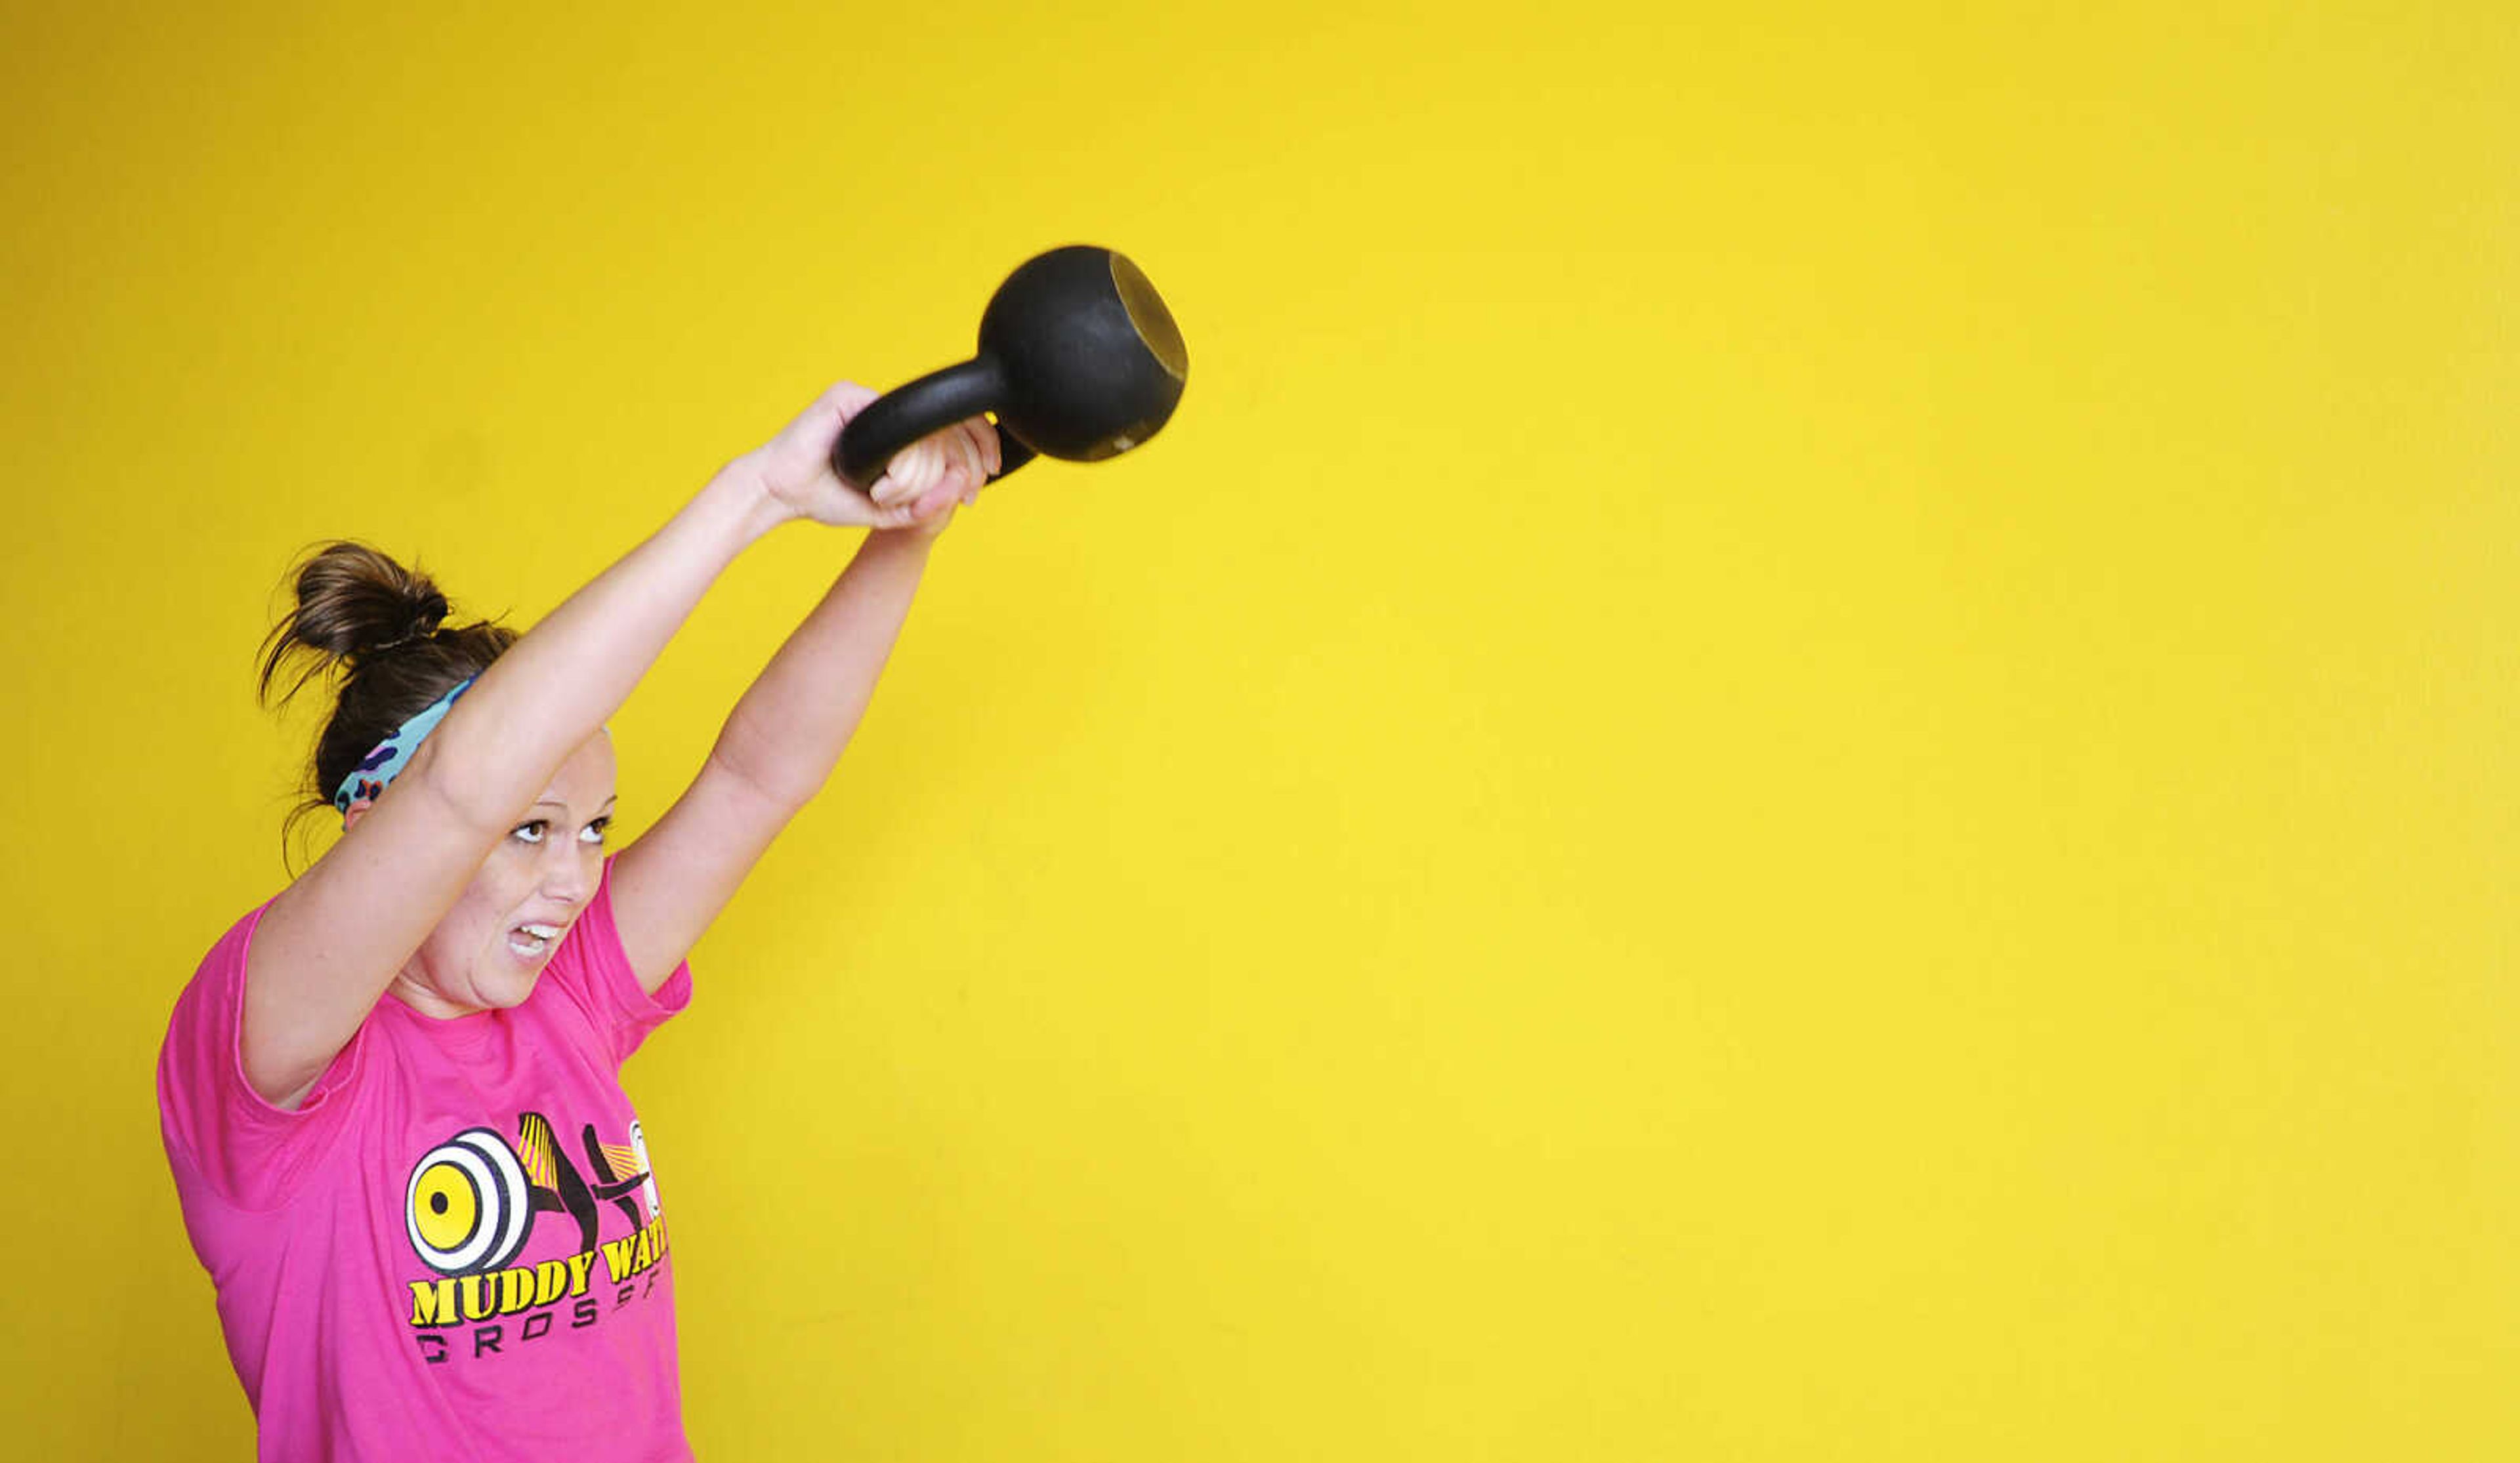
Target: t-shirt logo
x,y
471,1199
471,1207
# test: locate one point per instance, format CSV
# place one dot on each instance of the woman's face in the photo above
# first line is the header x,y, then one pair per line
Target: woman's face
x,y
488,949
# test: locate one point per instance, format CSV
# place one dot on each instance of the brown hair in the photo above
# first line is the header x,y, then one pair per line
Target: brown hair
x,y
380,630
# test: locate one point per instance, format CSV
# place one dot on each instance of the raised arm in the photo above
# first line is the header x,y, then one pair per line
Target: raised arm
x,y
786,736
331,942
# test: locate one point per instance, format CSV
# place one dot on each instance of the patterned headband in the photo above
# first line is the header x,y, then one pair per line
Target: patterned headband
x,y
367,782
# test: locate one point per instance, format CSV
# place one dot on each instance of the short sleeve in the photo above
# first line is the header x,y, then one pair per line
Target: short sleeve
x,y
593,971
250,1153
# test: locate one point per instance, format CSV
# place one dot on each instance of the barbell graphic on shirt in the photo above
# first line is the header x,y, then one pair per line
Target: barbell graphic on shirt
x,y
471,1199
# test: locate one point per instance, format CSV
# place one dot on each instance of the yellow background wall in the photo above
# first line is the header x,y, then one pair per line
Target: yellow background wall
x,y
1800,751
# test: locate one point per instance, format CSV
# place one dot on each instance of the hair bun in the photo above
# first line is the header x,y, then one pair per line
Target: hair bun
x,y
405,607
428,612
352,603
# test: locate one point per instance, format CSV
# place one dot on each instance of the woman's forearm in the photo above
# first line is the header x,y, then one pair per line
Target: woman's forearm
x,y
557,685
787,732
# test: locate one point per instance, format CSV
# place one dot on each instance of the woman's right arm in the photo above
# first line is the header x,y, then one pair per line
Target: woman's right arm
x,y
330,945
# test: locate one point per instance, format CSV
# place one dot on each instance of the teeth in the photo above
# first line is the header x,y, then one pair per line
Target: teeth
x,y
540,931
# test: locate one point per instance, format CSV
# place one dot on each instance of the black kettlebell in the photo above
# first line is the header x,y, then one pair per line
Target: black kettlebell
x,y
1079,360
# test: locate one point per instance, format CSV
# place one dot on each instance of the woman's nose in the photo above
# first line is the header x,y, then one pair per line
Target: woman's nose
x,y
569,874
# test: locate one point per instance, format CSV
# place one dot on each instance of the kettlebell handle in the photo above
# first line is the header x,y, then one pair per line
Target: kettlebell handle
x,y
904,415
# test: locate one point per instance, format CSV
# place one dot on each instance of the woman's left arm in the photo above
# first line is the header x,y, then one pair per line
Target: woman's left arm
x,y
780,742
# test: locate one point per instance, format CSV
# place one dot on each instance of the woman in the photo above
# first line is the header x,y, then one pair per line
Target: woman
x,y
391,1096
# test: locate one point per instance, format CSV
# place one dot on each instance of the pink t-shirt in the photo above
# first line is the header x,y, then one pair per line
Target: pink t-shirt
x,y
453,1248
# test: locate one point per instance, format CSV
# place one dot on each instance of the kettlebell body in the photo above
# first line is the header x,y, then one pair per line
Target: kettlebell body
x,y
1078,358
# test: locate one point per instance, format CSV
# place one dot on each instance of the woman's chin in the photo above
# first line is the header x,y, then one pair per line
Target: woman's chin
x,y
506,983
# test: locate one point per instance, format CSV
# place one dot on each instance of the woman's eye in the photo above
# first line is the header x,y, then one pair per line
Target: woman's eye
x,y
594,833
531,832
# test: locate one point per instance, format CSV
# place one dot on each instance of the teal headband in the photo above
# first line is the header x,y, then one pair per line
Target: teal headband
x,y
367,782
